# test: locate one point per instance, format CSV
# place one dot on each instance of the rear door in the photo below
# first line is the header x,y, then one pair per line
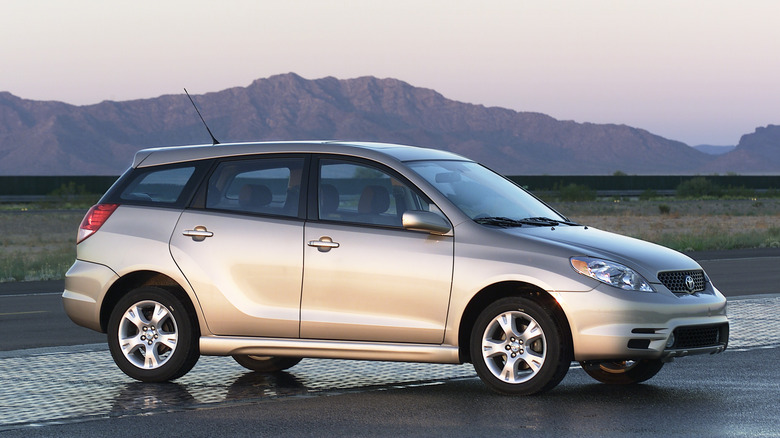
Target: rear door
x,y
242,249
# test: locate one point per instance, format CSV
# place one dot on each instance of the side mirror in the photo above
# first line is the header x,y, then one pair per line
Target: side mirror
x,y
426,221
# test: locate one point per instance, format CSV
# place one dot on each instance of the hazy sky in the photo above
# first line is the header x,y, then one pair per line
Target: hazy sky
x,y
702,72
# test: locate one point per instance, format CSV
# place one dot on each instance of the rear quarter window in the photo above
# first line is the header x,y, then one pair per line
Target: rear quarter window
x,y
164,186
169,185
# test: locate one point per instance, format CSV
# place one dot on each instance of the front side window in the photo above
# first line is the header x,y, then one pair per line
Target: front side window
x,y
363,194
264,186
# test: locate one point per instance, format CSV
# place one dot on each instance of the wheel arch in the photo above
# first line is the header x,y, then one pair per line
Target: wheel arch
x,y
138,279
507,289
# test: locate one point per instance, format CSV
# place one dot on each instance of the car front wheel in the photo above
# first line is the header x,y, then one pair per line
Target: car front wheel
x,y
518,348
622,372
151,335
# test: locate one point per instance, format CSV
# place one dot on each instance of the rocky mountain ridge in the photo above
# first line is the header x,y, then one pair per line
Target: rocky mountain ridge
x,y
54,138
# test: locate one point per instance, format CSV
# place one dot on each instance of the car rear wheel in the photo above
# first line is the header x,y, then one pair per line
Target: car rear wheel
x,y
151,335
622,372
266,364
518,348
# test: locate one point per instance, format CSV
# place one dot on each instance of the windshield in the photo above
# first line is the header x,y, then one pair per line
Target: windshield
x,y
482,193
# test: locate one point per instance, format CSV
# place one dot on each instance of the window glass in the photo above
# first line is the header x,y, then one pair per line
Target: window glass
x,y
158,185
480,192
357,193
265,185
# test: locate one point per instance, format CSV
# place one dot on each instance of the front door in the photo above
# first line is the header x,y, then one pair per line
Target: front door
x,y
365,277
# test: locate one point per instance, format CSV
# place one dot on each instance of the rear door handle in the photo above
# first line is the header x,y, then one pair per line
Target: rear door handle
x,y
199,234
325,244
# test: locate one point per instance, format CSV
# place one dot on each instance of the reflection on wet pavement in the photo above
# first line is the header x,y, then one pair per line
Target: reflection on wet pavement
x,y
56,384
63,384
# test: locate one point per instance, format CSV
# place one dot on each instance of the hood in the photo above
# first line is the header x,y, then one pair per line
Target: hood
x,y
646,258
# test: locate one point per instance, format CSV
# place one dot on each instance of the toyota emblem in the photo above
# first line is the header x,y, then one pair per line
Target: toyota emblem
x,y
690,284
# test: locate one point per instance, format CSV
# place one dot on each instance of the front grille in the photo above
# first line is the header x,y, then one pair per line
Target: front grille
x,y
675,281
696,337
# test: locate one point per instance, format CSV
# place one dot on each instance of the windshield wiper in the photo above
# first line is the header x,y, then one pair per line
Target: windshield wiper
x,y
546,221
505,222
499,221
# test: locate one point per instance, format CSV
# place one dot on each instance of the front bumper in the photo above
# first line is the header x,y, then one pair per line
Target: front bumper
x,y
609,323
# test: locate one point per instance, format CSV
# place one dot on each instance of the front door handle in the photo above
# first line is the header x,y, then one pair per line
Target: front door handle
x,y
325,244
199,234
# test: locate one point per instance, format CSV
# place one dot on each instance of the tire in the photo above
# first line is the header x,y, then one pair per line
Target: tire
x,y
152,336
622,372
518,348
266,364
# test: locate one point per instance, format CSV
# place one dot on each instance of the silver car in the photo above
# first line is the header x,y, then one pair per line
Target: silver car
x,y
271,252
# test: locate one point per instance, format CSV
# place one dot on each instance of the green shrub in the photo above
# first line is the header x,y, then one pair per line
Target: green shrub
x,y
575,192
648,195
739,193
771,193
698,187
68,190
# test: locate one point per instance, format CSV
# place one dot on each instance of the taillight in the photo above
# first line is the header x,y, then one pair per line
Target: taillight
x,y
95,218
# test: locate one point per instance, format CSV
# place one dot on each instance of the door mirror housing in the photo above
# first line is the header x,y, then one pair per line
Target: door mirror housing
x,y
426,221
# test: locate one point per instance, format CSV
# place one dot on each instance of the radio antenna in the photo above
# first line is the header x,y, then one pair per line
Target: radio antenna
x,y
214,139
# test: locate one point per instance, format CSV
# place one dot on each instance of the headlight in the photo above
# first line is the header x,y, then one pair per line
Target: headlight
x,y
611,273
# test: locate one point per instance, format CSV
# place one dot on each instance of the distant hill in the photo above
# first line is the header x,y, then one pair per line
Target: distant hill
x,y
53,138
713,149
757,153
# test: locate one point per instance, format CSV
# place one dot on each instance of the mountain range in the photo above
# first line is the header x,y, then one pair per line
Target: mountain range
x,y
55,138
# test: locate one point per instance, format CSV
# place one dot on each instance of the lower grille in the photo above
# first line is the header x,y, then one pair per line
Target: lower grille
x,y
697,337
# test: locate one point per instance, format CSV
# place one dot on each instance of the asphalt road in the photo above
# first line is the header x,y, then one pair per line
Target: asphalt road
x,y
38,320
742,272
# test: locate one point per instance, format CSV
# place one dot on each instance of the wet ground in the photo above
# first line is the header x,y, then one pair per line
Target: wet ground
x,y
70,384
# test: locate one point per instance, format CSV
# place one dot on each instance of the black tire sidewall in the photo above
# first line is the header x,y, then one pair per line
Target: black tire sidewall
x,y
643,370
547,377
270,365
184,355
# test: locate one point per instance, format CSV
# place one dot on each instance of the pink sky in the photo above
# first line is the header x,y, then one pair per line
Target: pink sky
x,y
702,72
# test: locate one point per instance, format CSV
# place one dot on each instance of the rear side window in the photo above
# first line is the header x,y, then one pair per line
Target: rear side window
x,y
159,186
265,185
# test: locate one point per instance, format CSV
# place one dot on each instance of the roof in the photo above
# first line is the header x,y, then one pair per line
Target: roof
x,y
177,154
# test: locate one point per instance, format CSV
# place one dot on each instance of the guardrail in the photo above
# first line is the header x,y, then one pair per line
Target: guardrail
x,y
47,185
636,184
33,188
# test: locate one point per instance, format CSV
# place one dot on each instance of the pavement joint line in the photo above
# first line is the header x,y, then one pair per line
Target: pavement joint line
x,y
29,295
29,312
